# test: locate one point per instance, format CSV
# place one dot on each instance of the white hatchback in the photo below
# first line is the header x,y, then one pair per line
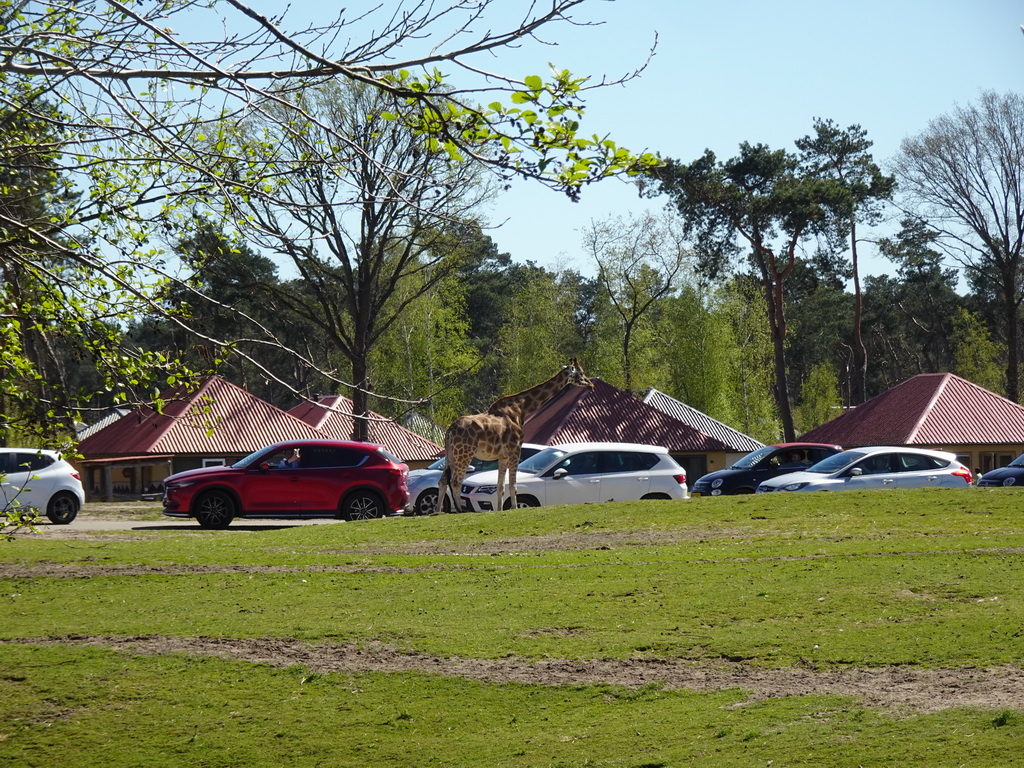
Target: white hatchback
x,y
876,467
40,480
582,473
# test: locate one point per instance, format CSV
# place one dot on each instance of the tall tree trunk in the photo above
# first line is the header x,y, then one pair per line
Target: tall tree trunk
x,y
777,323
1012,348
360,400
859,384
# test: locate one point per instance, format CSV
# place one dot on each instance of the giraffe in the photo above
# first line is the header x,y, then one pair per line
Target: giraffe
x,y
497,433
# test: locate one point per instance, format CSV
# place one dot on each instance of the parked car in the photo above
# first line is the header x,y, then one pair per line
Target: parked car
x,y
423,482
580,473
331,478
1010,475
876,467
41,480
763,464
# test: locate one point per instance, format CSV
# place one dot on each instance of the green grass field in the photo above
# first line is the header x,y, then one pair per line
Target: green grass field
x,y
842,629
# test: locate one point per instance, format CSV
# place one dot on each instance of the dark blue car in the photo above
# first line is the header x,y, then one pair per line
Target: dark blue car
x,y
1010,475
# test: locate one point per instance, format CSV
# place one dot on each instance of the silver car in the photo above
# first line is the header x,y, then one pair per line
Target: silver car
x,y
876,467
423,483
581,473
41,480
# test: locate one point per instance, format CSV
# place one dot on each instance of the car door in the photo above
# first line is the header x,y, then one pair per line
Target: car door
x,y
271,485
27,483
919,471
624,475
576,479
327,471
8,491
876,471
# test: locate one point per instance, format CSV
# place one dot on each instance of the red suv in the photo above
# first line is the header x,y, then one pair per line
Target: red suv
x,y
300,478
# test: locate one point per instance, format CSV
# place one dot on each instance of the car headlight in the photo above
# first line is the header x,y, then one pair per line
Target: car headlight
x,y
485,489
716,483
176,486
1009,481
793,486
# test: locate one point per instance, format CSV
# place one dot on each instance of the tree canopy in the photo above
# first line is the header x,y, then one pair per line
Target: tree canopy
x,y
139,102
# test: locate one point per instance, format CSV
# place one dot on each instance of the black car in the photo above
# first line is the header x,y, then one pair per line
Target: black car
x,y
771,461
1010,475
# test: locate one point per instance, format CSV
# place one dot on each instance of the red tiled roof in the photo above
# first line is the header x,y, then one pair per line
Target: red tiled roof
x,y
331,415
927,409
607,414
217,419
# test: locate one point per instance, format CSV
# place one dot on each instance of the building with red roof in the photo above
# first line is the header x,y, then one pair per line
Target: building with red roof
x,y
934,410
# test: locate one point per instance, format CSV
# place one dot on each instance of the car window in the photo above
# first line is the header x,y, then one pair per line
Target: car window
x,y
588,463
327,456
814,455
751,460
915,462
789,457
878,464
835,462
536,463
628,461
281,459
27,462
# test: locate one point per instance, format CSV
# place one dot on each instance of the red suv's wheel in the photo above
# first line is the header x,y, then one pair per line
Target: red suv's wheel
x,y
215,509
363,505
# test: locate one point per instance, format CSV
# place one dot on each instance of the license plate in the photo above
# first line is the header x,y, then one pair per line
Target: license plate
x,y
695,494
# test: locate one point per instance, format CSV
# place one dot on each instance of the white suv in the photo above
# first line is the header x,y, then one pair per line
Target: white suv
x,y
582,473
42,480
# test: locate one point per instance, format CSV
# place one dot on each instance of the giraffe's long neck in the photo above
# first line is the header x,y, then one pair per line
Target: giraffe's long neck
x,y
529,400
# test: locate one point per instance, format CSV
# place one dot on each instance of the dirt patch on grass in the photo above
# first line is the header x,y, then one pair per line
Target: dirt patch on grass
x,y
916,690
79,570
912,689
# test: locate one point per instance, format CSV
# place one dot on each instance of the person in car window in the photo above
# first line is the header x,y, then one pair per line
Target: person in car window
x,y
290,462
877,465
795,459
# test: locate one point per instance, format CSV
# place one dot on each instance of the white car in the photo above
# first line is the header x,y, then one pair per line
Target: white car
x,y
36,479
876,467
423,483
582,473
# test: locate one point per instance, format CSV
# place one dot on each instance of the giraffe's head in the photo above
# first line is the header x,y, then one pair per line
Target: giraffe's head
x,y
576,376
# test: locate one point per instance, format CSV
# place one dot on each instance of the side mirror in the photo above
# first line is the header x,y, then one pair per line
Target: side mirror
x,y
471,468
560,473
856,472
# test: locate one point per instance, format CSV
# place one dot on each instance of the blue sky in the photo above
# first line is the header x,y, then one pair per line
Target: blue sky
x,y
759,71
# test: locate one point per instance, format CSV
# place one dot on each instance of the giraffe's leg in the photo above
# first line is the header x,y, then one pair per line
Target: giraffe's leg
x,y
513,471
455,472
454,488
501,485
442,490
